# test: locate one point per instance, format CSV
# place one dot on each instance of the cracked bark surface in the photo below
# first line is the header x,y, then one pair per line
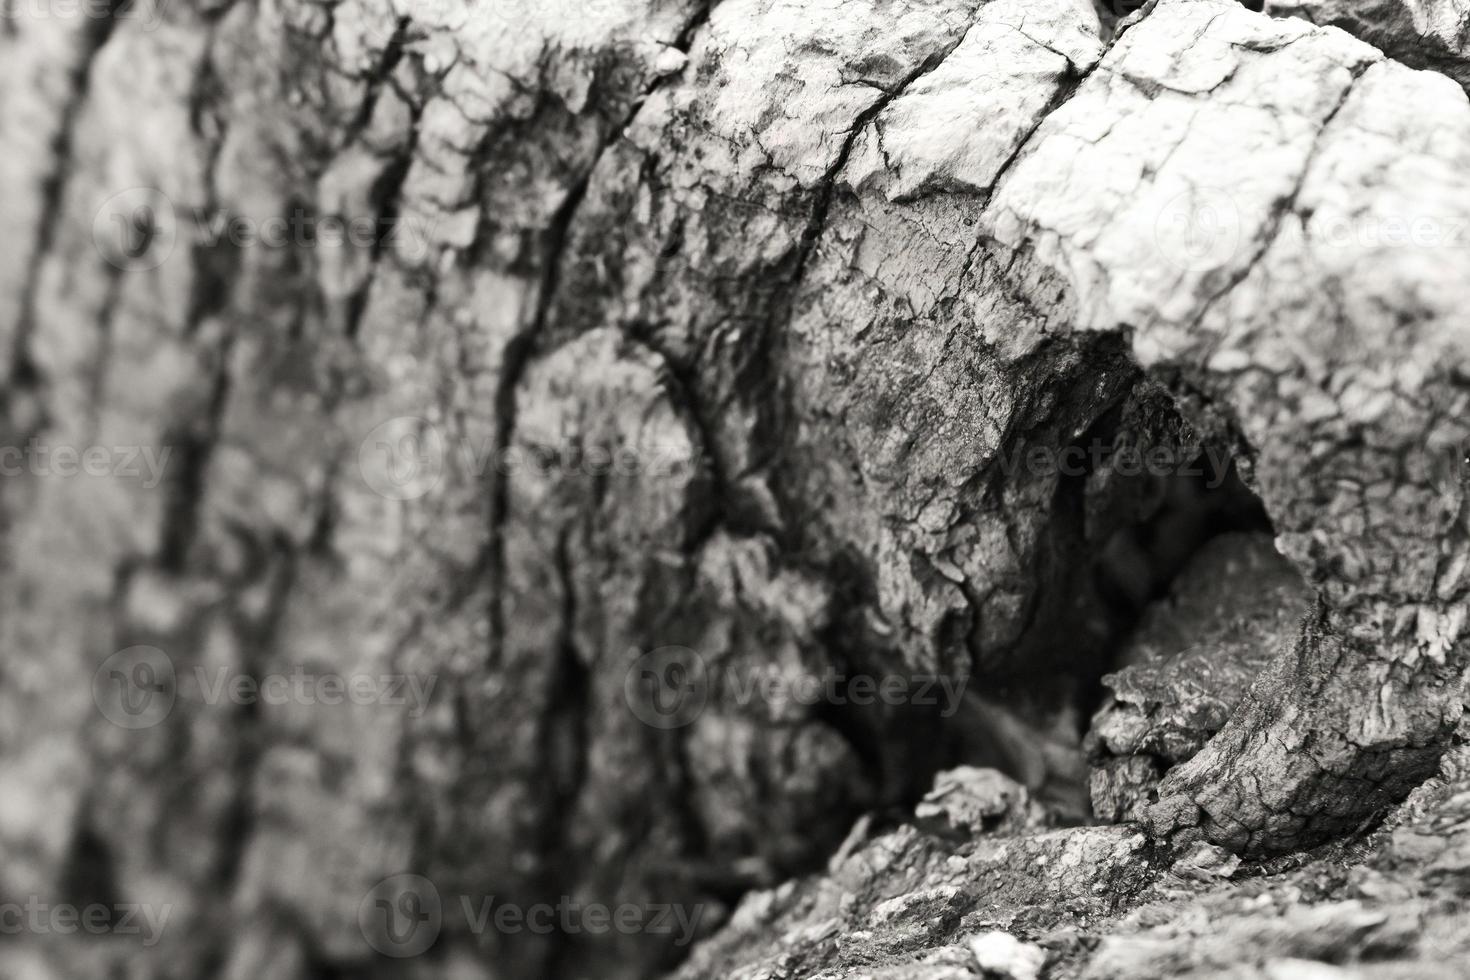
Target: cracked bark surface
x,y
1099,903
1433,35
1188,664
847,279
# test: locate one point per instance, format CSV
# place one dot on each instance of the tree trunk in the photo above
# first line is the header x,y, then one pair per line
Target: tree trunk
x,y
490,489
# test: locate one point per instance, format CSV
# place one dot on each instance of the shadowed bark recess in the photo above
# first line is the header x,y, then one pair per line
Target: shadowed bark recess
x,y
919,488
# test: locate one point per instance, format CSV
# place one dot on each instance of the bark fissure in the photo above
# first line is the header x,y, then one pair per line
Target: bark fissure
x,y
521,349
569,688
94,35
385,200
216,267
1280,211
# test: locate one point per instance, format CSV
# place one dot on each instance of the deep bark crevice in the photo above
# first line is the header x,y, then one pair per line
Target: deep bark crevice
x,y
524,346
93,36
1115,542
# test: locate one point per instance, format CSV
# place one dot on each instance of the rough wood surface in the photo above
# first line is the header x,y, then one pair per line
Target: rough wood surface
x,y
1100,903
696,347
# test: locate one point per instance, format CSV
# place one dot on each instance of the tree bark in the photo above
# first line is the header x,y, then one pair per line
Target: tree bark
x,y
690,428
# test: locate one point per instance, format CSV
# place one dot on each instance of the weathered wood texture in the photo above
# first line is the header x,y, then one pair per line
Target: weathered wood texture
x,y
840,282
